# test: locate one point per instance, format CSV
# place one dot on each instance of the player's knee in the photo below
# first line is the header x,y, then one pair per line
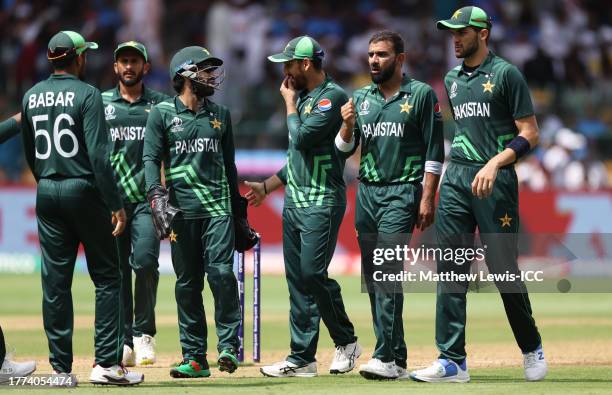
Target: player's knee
x,y
221,273
314,280
144,262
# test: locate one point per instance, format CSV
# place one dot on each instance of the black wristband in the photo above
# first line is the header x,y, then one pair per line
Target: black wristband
x,y
520,146
265,189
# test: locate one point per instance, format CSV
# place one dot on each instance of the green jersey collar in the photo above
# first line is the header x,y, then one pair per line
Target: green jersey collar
x,y
485,67
63,76
146,94
318,89
405,87
180,107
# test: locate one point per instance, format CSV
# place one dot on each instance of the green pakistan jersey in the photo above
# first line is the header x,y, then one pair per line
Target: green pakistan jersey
x,y
400,136
314,169
64,133
198,154
126,124
485,105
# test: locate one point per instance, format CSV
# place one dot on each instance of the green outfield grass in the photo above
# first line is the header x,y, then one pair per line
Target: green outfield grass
x,y
577,321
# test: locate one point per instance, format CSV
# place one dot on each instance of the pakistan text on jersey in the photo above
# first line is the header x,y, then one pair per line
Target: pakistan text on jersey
x,y
383,129
196,145
51,99
472,109
126,133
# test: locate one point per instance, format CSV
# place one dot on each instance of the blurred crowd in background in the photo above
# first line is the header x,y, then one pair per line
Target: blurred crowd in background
x,y
563,47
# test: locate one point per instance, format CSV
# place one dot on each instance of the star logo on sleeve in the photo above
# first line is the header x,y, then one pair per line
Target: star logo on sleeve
x,y
216,124
505,220
487,87
307,108
405,107
172,236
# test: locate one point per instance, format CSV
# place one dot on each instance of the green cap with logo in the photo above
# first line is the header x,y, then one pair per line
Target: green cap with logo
x,y
135,45
66,42
191,55
302,47
464,17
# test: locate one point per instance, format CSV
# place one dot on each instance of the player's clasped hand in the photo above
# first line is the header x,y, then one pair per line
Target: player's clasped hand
x,y
482,186
348,113
257,194
287,90
119,219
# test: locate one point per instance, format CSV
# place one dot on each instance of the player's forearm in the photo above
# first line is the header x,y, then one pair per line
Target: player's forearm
x,y
345,139
430,186
105,180
272,183
290,107
346,132
152,173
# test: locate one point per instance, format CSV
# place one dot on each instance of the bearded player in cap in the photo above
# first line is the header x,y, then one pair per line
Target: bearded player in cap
x,y
66,147
193,137
398,123
495,127
126,108
315,201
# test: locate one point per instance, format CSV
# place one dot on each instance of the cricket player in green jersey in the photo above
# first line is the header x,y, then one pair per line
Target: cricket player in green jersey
x,y
193,137
495,127
315,201
126,108
397,121
66,147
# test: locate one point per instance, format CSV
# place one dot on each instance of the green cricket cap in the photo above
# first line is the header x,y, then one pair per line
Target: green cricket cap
x,y
135,45
191,55
302,47
464,17
64,42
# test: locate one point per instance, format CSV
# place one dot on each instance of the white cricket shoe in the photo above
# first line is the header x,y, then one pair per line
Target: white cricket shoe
x,y
129,357
289,369
535,365
16,369
144,348
442,371
402,374
344,358
115,375
376,369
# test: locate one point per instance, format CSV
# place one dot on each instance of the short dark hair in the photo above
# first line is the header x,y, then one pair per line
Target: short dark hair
x,y
178,83
317,63
62,58
393,37
478,29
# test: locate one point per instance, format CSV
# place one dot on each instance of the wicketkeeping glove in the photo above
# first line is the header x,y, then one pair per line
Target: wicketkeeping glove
x,y
161,211
245,236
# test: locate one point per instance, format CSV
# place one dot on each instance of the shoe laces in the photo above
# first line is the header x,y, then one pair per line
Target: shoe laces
x,y
146,339
339,351
531,359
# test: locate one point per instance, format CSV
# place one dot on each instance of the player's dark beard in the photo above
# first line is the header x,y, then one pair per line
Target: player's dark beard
x,y
131,82
202,91
299,82
385,74
469,49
